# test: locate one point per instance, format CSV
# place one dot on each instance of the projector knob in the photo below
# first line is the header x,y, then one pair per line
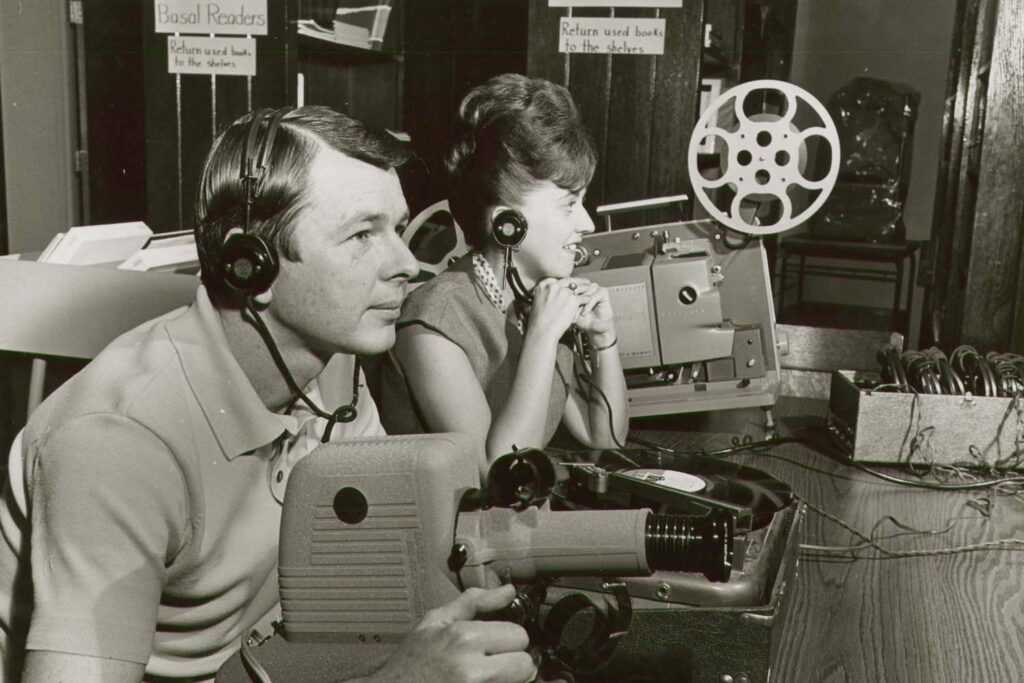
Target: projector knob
x,y
687,295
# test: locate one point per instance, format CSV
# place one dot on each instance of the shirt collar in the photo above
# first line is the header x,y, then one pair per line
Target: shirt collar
x,y
238,418
488,281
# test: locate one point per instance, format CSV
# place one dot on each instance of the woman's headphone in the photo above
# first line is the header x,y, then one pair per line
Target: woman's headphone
x,y
508,227
247,263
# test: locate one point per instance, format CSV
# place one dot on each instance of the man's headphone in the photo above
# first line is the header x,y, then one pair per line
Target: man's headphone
x,y
247,263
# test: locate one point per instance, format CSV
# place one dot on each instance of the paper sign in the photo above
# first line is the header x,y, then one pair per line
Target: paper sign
x,y
223,17
585,35
631,4
219,56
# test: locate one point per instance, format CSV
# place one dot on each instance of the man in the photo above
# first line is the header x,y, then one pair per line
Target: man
x,y
141,516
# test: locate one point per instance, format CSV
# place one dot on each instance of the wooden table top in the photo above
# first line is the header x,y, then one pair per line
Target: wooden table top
x,y
933,619
954,618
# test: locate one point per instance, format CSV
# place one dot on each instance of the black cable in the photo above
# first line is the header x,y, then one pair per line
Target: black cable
x,y
735,247
814,443
586,377
519,291
346,413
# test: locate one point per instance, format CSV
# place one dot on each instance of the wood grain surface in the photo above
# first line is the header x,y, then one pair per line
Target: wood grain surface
x,y
935,619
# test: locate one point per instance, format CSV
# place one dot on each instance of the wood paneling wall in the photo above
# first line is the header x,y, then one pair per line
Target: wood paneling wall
x,y
994,297
434,52
975,276
183,112
452,46
640,108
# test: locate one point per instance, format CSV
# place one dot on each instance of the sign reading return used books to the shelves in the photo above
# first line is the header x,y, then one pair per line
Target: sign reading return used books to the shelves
x,y
223,17
621,36
615,3
214,56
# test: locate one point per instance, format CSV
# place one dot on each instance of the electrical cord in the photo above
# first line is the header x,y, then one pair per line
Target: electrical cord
x,y
964,371
585,376
346,413
252,665
815,442
869,541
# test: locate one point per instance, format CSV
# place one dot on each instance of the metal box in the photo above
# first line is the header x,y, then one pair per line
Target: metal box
x,y
889,427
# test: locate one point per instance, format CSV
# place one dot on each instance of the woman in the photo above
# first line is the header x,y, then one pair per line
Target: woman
x,y
477,358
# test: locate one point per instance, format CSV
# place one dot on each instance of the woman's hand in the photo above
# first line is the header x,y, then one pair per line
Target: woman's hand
x,y
556,305
596,317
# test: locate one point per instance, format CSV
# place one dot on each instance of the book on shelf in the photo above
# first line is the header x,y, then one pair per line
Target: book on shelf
x,y
361,23
308,27
357,23
171,251
90,245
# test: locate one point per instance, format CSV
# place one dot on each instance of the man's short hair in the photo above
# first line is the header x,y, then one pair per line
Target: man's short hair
x,y
220,202
514,131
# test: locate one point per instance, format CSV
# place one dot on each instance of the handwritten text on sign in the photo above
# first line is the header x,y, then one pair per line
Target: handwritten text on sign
x,y
223,17
219,56
617,36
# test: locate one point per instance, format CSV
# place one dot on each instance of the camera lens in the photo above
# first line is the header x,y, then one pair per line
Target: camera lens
x,y
691,543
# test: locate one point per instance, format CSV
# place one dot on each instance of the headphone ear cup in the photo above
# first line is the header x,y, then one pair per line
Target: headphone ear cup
x,y
508,227
248,264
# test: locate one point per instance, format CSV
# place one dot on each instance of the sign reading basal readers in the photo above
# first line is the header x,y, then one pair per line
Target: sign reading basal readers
x,y
224,17
213,56
585,35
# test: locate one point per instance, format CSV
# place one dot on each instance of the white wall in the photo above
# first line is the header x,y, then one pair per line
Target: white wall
x,y
39,120
900,40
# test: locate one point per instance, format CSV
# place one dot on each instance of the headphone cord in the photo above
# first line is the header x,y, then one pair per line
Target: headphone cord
x,y
346,413
585,376
519,291
524,298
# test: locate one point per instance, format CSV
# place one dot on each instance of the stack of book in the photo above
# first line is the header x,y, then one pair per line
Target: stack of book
x,y
169,251
91,245
128,246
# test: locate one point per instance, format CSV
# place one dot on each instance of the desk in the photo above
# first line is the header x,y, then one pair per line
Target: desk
x,y
940,619
943,619
896,254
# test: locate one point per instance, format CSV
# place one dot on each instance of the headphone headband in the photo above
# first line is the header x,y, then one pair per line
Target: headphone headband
x,y
247,263
256,161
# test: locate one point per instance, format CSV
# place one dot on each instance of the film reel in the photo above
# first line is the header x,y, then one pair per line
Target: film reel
x,y
433,221
764,157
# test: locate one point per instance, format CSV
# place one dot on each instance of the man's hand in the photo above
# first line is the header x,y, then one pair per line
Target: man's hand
x,y
448,645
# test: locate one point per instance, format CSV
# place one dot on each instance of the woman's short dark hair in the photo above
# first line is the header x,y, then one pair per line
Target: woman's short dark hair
x,y
514,131
220,202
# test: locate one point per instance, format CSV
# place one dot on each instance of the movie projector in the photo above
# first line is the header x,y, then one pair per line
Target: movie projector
x,y
693,301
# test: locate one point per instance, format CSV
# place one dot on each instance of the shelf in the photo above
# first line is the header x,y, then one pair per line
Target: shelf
x,y
308,46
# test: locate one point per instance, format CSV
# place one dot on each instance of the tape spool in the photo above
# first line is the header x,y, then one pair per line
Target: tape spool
x,y
764,157
436,215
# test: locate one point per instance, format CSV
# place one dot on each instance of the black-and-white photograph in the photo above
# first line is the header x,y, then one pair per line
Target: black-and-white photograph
x,y
511,341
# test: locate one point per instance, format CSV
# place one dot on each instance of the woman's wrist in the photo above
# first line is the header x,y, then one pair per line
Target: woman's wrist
x,y
540,335
602,341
